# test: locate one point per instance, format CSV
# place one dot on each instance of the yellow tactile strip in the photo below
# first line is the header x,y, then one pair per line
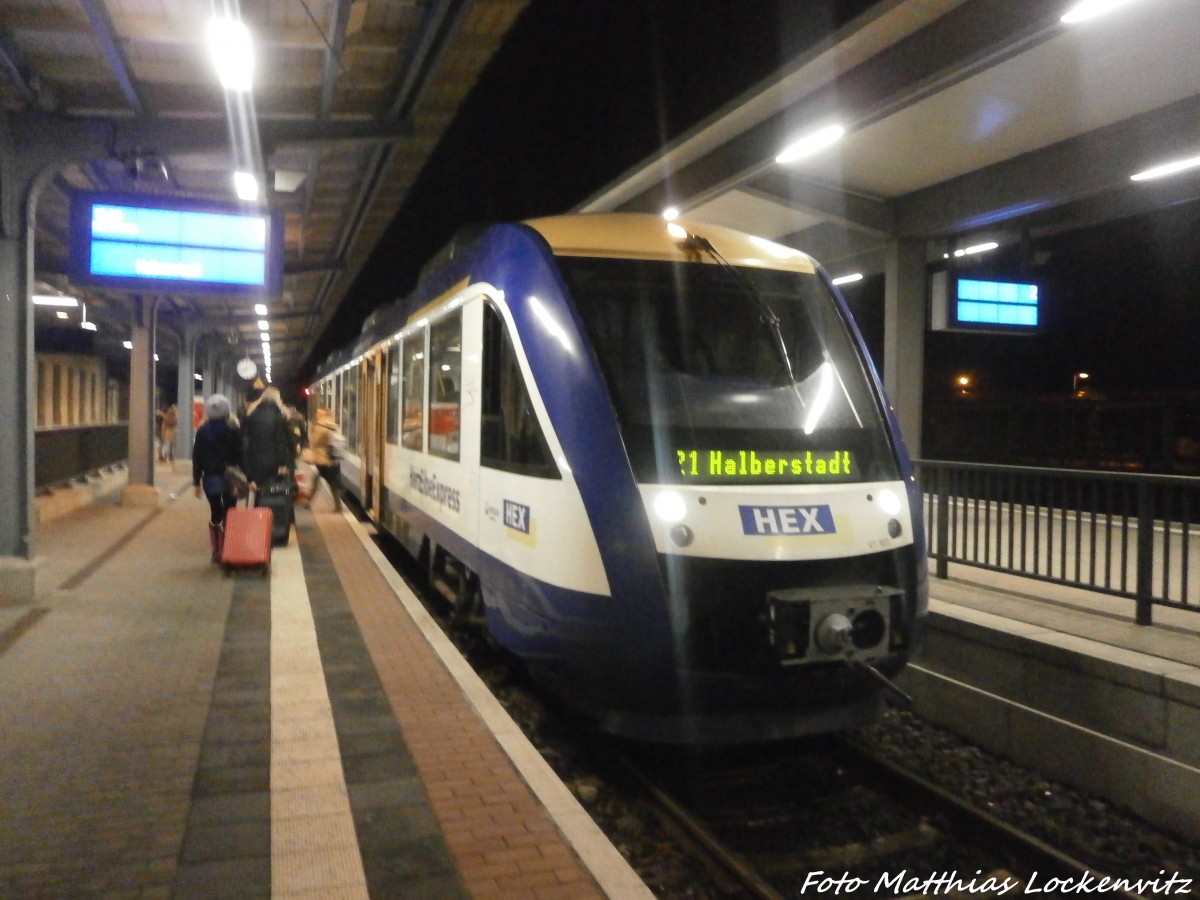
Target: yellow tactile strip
x,y
503,837
314,850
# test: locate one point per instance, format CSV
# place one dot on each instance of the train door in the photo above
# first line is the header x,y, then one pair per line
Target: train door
x,y
378,432
369,434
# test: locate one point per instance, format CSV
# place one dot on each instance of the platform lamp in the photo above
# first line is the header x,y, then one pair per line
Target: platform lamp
x,y
1075,380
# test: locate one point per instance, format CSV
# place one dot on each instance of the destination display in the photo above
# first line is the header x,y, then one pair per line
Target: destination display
x,y
997,303
151,243
959,303
710,465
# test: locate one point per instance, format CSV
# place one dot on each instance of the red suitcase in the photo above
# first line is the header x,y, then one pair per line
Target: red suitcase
x,y
247,539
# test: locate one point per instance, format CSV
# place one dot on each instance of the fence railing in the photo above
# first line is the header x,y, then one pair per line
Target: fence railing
x,y
1129,535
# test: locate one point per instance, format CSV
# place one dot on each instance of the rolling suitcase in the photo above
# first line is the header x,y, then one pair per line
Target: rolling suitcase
x,y
247,539
278,495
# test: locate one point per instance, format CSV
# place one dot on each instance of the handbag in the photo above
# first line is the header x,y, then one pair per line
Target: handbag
x,y
237,485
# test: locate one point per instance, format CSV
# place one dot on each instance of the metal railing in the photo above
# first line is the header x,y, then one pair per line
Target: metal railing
x,y
1128,535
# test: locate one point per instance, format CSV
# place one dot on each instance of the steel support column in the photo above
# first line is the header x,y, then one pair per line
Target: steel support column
x,y
140,490
185,382
18,189
904,335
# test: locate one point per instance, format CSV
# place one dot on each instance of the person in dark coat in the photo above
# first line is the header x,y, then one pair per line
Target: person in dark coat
x,y
217,445
266,441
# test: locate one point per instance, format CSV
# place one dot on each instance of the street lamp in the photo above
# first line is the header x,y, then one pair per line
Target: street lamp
x,y
964,383
1075,379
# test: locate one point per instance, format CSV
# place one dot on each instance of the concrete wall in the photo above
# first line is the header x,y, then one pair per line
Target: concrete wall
x,y
1118,723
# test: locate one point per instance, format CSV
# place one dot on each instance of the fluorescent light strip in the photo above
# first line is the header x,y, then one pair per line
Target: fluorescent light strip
x,y
232,53
54,300
811,144
1090,9
1171,168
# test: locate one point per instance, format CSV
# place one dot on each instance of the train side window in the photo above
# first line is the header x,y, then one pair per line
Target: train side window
x,y
393,394
412,421
511,438
445,376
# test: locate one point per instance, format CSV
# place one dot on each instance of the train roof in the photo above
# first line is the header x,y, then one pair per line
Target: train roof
x,y
647,236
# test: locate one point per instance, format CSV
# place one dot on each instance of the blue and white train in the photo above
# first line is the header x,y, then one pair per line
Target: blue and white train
x,y
654,460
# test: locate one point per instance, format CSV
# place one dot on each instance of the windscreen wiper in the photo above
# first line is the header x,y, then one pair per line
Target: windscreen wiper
x,y
697,244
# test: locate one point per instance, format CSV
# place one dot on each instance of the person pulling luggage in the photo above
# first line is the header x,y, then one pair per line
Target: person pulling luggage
x,y
269,457
216,447
266,440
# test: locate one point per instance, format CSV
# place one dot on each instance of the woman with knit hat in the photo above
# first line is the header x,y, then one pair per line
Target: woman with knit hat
x,y
217,445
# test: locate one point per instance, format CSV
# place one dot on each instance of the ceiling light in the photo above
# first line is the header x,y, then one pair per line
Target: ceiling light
x,y
981,248
1089,9
88,326
260,309
811,143
232,53
847,279
265,336
61,314
1180,165
54,300
245,185
671,213
128,345
677,231
974,248
263,324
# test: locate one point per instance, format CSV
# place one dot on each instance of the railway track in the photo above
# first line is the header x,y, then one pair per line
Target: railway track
x,y
822,817
825,818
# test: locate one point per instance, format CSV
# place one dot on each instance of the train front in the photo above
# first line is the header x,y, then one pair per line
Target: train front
x,y
769,476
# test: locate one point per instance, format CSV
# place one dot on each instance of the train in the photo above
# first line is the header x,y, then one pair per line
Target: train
x,y
654,462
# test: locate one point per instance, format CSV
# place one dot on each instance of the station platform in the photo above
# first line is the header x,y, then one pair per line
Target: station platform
x,y
170,731
1064,682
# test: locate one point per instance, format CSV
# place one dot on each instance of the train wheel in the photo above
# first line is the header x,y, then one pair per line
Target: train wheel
x,y
468,604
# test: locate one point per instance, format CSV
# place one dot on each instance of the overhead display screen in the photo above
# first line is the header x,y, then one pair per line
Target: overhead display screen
x,y
997,303
141,243
739,466
959,303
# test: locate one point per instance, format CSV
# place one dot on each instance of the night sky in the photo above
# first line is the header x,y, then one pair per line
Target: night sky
x,y
1120,301
580,92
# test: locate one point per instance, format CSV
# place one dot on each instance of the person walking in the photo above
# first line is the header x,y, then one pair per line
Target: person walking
x,y
166,446
217,446
322,443
266,440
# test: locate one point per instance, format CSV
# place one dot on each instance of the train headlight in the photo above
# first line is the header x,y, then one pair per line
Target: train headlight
x,y
889,502
670,507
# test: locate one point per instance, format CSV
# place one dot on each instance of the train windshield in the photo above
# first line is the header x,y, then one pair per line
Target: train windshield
x,y
724,376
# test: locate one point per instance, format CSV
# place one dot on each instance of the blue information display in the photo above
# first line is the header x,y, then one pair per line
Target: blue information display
x,y
997,303
152,243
